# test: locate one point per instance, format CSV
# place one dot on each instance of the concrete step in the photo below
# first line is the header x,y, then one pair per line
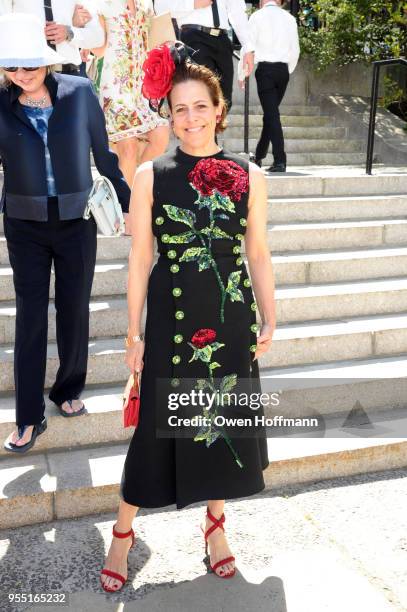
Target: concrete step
x,y
300,145
310,181
336,182
293,344
235,120
297,303
379,385
312,267
313,158
294,109
288,237
291,210
290,133
337,235
316,267
39,487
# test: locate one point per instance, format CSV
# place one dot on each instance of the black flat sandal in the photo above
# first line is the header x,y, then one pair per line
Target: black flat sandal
x,y
37,431
71,414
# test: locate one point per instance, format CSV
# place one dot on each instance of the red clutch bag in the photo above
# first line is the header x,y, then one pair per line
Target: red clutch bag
x,y
131,401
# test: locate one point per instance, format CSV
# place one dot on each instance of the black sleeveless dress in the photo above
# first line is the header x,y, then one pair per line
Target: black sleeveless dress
x,y
200,334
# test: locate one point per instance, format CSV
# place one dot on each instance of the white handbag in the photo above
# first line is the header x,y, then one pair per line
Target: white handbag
x,y
105,208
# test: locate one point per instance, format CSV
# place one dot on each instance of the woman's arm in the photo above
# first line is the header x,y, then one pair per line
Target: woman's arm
x,y
100,51
258,256
140,258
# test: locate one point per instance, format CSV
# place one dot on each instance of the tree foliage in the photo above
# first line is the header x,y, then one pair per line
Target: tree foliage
x,y
341,32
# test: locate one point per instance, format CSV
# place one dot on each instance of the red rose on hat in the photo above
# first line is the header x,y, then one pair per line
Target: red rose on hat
x,y
203,337
158,70
221,175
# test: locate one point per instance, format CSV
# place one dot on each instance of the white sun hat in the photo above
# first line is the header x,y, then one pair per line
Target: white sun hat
x,y
23,43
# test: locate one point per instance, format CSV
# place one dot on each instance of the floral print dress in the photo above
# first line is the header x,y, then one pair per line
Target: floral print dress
x,y
126,110
200,337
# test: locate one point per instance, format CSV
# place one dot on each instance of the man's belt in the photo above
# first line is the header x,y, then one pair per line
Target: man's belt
x,y
211,31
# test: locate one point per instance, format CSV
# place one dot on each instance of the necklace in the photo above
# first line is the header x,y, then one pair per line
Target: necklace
x,y
41,103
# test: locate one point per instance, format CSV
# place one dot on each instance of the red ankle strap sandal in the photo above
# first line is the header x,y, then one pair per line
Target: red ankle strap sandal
x,y
115,575
217,523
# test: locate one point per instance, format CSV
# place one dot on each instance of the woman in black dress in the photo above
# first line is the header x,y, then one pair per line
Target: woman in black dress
x,y
198,202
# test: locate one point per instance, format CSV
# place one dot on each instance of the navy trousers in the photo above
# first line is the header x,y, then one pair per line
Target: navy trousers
x,y
272,80
33,247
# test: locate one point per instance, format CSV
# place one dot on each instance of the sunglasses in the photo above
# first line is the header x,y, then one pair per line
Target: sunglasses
x,y
15,68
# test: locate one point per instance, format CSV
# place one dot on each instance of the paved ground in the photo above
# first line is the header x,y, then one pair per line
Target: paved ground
x,y
337,546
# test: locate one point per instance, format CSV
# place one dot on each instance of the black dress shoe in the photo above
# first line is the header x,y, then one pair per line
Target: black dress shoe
x,y
276,168
253,159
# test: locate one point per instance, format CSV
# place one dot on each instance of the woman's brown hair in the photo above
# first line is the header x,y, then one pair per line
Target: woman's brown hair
x,y
190,71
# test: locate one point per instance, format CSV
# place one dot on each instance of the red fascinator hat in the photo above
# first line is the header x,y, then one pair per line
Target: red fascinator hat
x,y
159,68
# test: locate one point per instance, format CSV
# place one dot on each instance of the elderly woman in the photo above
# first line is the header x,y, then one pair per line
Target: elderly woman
x,y
49,124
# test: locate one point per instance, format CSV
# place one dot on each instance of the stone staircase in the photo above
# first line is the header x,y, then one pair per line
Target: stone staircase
x,y
339,245
310,138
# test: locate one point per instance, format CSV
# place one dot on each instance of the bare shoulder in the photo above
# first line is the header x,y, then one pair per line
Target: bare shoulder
x,y
143,179
256,175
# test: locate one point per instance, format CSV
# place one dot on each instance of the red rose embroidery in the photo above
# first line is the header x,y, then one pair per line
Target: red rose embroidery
x,y
158,70
203,337
222,175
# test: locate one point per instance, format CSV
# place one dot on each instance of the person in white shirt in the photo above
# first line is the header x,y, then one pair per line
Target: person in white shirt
x,y
203,26
274,37
61,31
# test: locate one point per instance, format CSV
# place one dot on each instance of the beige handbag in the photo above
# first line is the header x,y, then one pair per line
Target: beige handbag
x,y
161,30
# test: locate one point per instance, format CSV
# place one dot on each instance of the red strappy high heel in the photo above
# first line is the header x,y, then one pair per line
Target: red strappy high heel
x,y
115,575
216,523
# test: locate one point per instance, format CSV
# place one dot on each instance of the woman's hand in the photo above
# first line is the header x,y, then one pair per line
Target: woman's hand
x,y
134,357
264,340
81,16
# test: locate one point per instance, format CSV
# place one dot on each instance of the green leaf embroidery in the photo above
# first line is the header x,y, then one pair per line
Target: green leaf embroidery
x,y
183,238
221,202
232,287
214,365
193,254
216,345
227,383
204,354
204,261
215,232
211,437
180,214
202,384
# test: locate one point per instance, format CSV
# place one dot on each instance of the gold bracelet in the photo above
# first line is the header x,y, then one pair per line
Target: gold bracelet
x,y
132,340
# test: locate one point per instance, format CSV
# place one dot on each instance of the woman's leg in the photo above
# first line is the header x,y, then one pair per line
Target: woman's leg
x,y
116,560
217,543
127,152
31,260
157,143
74,252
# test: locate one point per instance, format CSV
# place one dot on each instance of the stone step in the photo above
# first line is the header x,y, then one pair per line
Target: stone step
x,y
39,488
235,120
313,158
338,182
311,181
294,110
291,210
316,267
290,133
293,344
300,146
291,237
323,389
307,267
297,303
288,237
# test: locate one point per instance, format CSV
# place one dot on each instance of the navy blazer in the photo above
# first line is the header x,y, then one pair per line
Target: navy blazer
x,y
76,126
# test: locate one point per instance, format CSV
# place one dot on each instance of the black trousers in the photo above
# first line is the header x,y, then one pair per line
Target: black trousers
x,y
272,80
215,52
33,246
